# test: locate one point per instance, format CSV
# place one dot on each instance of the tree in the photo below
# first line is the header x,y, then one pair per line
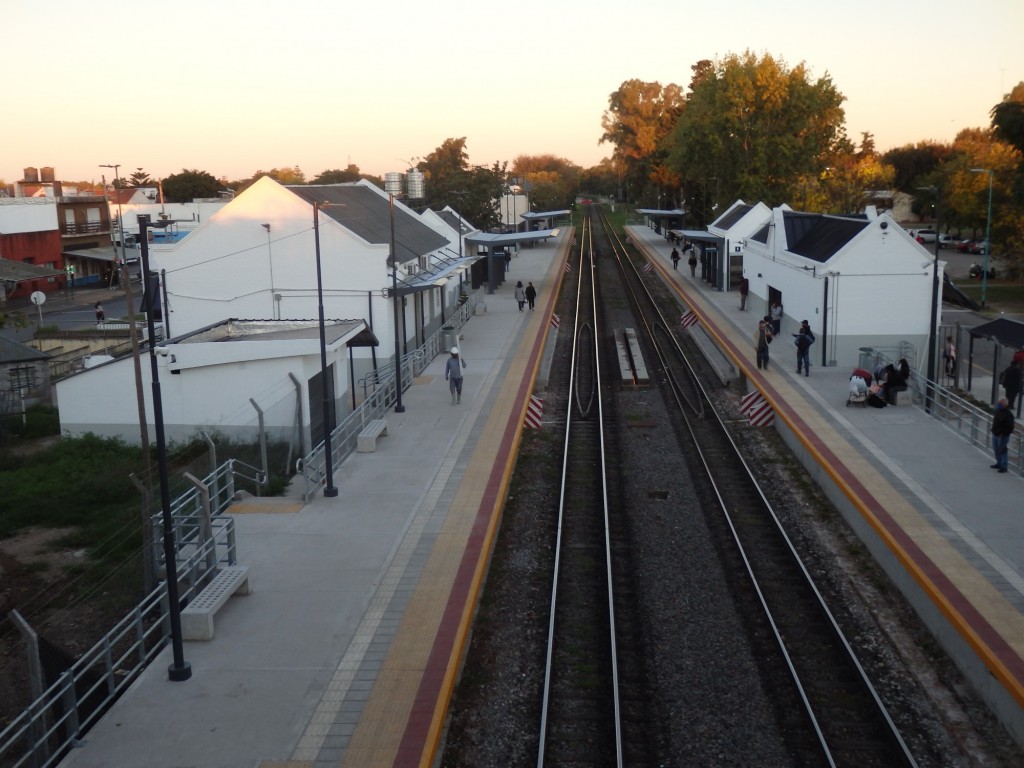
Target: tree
x,y
139,179
1008,118
334,176
639,117
913,162
756,127
281,175
186,186
552,182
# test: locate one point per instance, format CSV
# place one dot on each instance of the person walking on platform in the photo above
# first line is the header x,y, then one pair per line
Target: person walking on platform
x,y
1011,379
762,338
692,261
1002,428
804,339
744,292
531,294
776,313
453,375
949,356
520,295
675,258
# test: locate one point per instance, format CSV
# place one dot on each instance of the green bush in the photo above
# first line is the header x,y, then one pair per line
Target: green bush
x,y
39,421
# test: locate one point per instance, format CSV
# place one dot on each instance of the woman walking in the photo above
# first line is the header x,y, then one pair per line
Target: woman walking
x,y
531,294
520,295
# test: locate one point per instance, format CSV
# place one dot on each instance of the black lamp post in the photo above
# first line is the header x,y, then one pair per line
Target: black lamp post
x,y
932,378
330,490
180,669
399,408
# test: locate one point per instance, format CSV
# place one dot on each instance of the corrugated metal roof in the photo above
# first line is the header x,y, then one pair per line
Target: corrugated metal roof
x,y
819,237
368,215
16,271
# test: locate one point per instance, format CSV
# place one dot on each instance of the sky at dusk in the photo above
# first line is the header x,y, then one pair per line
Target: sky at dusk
x,y
233,87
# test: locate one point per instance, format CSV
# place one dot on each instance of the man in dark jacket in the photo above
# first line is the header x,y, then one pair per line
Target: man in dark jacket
x,y
1002,428
1011,379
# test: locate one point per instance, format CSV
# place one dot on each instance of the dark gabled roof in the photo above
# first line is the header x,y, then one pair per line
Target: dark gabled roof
x,y
1009,333
761,235
455,221
367,214
727,219
15,352
818,237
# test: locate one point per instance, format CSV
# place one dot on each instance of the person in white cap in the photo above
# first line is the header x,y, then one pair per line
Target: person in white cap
x,y
453,375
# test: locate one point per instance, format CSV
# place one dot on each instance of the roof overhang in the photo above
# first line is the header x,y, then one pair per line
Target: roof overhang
x,y
492,239
435,276
17,272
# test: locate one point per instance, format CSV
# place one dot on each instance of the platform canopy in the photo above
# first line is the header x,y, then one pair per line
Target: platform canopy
x,y
444,269
1009,333
495,240
535,215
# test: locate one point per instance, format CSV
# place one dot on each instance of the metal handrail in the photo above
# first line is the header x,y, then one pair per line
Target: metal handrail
x,y
43,733
379,394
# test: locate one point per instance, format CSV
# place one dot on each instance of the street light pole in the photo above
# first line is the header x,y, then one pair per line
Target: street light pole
x,y
180,669
399,408
932,377
988,227
330,491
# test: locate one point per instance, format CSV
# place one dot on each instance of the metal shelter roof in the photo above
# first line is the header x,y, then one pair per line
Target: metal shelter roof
x,y
509,238
1009,333
660,212
531,215
99,254
436,275
699,235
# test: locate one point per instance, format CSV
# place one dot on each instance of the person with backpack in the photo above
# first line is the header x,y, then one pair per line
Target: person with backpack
x,y
804,339
762,338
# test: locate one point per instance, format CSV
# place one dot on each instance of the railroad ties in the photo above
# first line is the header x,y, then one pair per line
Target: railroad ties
x,y
631,361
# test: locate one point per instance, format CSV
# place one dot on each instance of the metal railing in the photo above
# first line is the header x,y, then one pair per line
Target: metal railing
x,y
52,724
379,394
971,421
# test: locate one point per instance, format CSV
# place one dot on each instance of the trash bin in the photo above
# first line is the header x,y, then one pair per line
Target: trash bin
x,y
449,339
867,358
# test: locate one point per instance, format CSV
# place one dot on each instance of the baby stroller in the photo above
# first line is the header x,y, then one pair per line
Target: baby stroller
x,y
860,380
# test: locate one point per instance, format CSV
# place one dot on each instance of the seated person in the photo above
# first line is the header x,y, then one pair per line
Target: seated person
x,y
904,369
895,381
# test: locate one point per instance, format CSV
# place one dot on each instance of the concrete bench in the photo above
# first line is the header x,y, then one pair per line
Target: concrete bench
x,y
366,442
197,616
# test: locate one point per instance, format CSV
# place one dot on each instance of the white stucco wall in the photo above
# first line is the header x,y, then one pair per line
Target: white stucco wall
x,y
211,389
27,214
879,292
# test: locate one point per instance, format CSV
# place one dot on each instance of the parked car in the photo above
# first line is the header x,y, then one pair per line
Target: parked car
x,y
947,241
924,235
979,247
964,246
